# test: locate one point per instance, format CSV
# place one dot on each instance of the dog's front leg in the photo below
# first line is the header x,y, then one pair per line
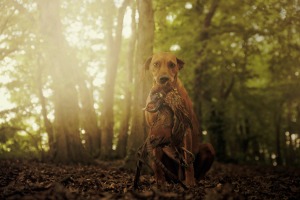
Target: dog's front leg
x,y
158,171
189,171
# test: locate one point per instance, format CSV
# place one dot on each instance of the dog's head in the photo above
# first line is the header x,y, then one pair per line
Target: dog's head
x,y
164,67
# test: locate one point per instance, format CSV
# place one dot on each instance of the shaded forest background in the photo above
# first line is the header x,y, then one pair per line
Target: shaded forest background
x,y
72,83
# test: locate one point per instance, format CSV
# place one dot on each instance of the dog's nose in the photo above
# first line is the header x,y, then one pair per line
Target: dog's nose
x,y
163,79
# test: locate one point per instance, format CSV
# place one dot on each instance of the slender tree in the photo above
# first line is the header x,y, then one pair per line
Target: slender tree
x,y
203,37
47,123
112,61
125,123
88,119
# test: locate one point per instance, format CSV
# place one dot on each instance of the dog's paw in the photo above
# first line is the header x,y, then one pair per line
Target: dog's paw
x,y
190,182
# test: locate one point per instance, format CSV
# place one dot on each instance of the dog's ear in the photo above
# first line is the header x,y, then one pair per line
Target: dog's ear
x,y
147,63
180,63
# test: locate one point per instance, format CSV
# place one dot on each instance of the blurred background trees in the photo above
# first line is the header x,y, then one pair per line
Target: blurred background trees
x,y
72,84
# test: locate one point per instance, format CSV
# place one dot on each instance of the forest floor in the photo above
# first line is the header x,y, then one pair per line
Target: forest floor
x,y
35,180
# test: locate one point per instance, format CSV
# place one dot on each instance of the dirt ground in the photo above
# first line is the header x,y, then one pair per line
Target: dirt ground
x,y
35,180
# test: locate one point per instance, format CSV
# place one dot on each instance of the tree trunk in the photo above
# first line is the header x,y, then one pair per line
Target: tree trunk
x,y
277,123
142,85
112,60
216,130
69,148
48,125
92,133
256,151
203,37
123,135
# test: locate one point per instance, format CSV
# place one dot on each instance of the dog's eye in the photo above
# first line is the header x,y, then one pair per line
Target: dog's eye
x,y
172,65
156,64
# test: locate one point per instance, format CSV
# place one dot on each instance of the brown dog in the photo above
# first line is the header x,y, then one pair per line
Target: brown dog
x,y
198,157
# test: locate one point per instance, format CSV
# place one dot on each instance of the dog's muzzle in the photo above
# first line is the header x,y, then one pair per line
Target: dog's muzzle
x,y
163,79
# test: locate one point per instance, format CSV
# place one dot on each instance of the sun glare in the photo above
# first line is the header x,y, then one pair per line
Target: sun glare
x,y
4,99
188,5
127,24
175,47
